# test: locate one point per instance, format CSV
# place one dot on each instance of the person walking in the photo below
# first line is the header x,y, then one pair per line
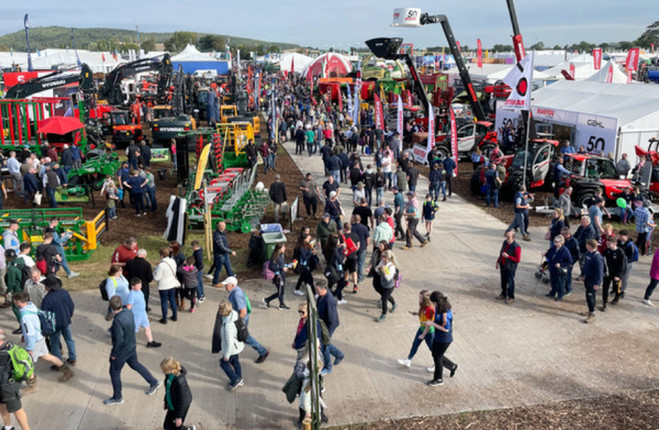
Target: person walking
x,y
388,272
559,259
241,304
58,301
425,333
178,396
221,253
309,195
278,196
278,266
124,352
10,397
510,255
614,270
306,253
443,324
225,341
654,280
140,268
165,276
593,272
412,215
521,210
137,306
328,312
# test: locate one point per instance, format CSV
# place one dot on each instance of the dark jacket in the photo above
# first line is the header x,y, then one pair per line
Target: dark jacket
x,y
123,334
139,268
616,262
558,256
278,192
573,246
198,255
30,183
180,395
220,243
59,302
67,158
327,311
583,234
593,268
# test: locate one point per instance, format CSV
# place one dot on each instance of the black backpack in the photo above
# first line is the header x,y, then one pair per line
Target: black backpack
x,y
104,293
241,329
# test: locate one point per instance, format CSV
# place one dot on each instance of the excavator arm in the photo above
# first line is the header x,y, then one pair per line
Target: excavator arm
x,y
81,75
111,90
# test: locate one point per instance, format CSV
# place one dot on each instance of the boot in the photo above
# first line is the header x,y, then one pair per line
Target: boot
x,y
182,305
31,386
67,373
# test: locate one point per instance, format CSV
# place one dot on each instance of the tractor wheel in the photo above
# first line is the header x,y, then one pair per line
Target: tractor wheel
x,y
475,181
443,152
583,198
487,148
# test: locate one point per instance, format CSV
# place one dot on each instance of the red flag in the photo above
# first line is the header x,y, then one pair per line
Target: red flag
x,y
479,53
632,59
285,74
457,42
408,95
609,74
431,129
379,124
652,47
454,138
103,57
597,58
338,90
573,71
292,65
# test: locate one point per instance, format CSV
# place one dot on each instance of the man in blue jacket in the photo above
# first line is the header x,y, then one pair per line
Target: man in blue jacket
x,y
328,312
593,274
59,302
124,351
449,165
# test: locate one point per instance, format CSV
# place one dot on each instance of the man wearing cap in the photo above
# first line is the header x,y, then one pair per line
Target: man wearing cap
x,y
412,214
278,196
309,194
241,305
325,228
58,301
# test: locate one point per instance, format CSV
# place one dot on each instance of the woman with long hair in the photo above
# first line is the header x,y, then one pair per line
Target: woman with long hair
x,y
443,324
425,313
305,253
557,224
387,272
178,396
278,266
179,258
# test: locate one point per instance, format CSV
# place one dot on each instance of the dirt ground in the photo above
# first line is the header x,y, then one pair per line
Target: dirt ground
x,y
626,411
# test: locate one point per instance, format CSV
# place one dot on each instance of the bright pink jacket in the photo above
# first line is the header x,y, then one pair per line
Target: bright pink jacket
x,y
654,269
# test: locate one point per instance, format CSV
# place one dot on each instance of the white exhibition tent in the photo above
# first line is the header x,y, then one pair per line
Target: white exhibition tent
x,y
606,117
99,62
618,77
299,61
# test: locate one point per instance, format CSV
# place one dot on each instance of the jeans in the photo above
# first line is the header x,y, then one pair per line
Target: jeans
x,y
151,194
557,284
360,264
568,279
433,190
492,194
256,345
650,289
221,260
56,346
328,351
507,282
379,194
115,372
63,263
398,230
337,175
438,351
413,232
112,212
168,296
369,195
389,177
591,297
417,342
518,222
232,368
138,201
625,276
200,285
280,285
51,197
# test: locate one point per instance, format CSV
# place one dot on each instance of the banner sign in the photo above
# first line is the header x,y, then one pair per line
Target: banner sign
x,y
479,53
454,138
597,58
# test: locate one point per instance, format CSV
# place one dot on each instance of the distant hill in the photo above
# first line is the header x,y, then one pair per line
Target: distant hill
x,y
89,38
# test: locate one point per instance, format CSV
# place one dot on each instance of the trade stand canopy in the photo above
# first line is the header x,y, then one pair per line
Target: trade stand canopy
x,y
299,62
328,65
192,60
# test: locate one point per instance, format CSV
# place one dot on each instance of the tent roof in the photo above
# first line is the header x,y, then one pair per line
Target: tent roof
x,y
190,53
337,63
300,61
619,77
627,103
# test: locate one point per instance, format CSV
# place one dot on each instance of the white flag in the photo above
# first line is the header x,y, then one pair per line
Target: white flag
x,y
519,80
399,119
431,128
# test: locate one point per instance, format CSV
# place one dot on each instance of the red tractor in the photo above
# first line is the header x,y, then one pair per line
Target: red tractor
x,y
591,173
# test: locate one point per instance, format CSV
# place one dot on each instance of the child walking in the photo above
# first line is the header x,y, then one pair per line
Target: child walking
x,y
188,274
425,313
429,209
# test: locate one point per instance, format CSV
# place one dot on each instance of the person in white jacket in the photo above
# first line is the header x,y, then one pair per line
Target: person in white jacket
x,y
231,346
165,276
387,272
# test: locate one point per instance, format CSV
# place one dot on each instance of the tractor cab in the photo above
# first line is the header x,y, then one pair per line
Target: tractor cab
x,y
591,173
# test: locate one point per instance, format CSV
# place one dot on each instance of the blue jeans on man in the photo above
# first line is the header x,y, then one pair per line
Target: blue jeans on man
x,y
361,254
115,372
492,194
232,368
56,346
221,260
519,222
200,284
51,197
568,280
328,351
253,342
337,175
151,194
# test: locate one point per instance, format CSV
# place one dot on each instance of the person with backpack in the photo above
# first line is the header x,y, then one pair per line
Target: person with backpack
x,y
428,211
443,325
58,301
35,343
13,279
10,398
48,257
387,272
631,252
242,306
124,352
187,272
230,346
58,242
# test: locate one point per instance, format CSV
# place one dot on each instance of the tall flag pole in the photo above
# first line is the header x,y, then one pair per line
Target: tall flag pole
x,y
399,122
26,24
73,43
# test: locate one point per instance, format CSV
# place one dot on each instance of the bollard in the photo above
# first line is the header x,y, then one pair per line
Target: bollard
x,y
306,423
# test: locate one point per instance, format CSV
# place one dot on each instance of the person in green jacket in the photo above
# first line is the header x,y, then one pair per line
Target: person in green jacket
x,y
324,229
13,281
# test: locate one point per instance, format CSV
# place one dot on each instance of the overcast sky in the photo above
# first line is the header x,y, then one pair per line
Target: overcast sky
x,y
340,23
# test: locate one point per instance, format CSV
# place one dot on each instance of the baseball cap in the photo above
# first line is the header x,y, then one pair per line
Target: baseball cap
x,y
230,280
